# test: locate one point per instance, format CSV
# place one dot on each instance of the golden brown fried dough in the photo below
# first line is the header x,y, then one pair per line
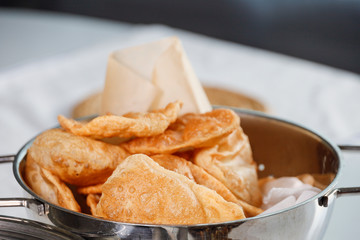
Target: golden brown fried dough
x,y
200,176
92,200
128,125
74,159
320,181
263,181
48,186
306,178
94,189
175,163
189,131
249,210
141,191
195,173
230,161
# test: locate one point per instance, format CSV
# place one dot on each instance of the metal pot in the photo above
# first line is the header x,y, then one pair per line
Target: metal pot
x,y
281,147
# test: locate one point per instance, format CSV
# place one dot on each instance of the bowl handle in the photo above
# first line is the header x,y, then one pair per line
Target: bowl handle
x,y
32,204
349,147
348,191
325,200
7,158
342,191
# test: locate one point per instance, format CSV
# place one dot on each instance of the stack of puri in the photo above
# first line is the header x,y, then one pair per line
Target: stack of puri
x,y
153,168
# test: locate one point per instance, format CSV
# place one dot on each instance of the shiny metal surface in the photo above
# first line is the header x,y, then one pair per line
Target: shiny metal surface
x,y
281,147
17,228
349,147
7,158
32,204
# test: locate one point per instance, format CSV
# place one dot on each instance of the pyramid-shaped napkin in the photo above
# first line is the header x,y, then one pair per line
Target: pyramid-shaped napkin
x,y
149,76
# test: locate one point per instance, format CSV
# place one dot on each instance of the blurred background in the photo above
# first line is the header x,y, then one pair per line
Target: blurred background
x,y
323,31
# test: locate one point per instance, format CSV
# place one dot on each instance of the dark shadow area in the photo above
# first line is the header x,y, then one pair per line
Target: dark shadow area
x,y
323,31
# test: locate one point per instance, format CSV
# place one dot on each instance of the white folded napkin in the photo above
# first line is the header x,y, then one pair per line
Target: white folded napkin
x,y
149,76
285,192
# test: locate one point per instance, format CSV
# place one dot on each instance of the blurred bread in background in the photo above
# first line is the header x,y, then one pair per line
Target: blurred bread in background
x,y
217,96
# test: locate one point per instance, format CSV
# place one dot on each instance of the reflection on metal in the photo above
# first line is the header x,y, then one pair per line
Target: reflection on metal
x,y
32,204
349,147
7,158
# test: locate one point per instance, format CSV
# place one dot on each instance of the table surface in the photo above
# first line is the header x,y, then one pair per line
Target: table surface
x,y
49,62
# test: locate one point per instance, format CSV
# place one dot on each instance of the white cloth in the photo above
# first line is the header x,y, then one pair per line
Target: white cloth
x,y
34,90
285,192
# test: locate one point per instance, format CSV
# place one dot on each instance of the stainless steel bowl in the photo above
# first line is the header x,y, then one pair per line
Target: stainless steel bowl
x,y
282,147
